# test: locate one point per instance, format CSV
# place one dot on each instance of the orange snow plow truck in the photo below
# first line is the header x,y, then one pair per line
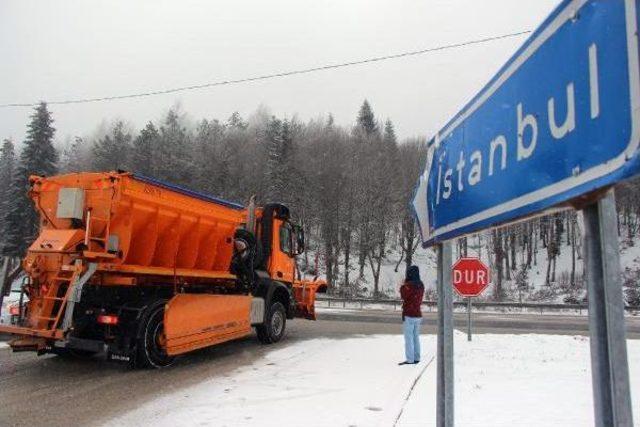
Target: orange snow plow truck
x,y
142,271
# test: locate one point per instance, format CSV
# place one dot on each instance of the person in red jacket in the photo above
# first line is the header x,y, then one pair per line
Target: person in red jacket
x,y
411,292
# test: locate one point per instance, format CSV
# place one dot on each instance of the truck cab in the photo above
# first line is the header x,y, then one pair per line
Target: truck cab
x,y
281,242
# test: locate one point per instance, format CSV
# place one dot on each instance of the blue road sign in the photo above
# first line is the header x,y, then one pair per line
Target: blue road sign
x,y
560,119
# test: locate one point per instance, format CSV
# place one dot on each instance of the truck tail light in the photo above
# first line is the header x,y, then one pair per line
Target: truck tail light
x,y
108,319
14,310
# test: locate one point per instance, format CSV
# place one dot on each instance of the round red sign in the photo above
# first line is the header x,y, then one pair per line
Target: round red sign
x,y
470,277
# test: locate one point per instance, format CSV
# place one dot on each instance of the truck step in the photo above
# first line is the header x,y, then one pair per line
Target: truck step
x,y
45,318
53,298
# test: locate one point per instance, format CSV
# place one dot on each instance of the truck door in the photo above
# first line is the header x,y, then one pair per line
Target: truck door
x,y
282,258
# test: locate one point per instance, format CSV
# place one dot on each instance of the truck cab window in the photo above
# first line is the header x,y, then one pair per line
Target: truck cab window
x,y
285,238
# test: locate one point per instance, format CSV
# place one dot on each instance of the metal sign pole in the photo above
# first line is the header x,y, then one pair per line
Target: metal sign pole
x,y
609,365
444,408
469,319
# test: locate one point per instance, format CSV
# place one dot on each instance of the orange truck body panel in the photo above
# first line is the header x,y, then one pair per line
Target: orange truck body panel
x,y
139,232
197,321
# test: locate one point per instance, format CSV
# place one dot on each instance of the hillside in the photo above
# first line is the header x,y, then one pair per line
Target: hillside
x,y
536,289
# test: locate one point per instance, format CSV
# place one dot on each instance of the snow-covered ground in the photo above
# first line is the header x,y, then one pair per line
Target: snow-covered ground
x,y
500,380
520,380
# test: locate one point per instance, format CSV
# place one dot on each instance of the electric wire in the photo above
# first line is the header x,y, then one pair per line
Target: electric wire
x,y
270,76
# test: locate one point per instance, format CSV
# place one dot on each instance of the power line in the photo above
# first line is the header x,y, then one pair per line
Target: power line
x,y
271,76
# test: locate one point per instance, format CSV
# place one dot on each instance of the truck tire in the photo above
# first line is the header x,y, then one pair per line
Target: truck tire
x,y
272,330
150,343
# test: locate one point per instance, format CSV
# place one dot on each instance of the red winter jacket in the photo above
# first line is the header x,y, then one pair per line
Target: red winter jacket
x,y
411,299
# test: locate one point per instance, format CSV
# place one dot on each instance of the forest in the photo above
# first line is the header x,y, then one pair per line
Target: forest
x,y
350,187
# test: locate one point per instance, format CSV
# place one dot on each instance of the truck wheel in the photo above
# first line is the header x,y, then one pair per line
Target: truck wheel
x,y
272,330
150,344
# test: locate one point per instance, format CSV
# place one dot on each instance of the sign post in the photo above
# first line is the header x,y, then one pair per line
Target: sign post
x,y
559,123
470,279
609,364
444,404
468,318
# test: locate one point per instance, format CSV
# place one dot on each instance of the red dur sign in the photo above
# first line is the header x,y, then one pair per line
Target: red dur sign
x,y
470,277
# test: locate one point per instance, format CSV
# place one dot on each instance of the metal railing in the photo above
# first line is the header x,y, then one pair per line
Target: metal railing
x,y
431,305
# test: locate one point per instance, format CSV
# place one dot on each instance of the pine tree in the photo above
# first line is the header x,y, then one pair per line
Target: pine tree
x,y
7,165
382,160
288,167
389,138
366,120
280,162
38,157
235,121
330,121
273,136
144,145
388,158
211,160
174,151
74,158
111,152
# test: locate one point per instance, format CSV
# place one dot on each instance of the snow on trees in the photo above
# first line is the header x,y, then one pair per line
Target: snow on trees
x,y
7,166
38,157
348,186
113,151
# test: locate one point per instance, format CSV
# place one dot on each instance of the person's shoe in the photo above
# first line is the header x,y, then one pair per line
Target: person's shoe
x,y
416,362
405,363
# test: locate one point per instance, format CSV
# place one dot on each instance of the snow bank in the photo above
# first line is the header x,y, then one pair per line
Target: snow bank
x,y
3,345
524,380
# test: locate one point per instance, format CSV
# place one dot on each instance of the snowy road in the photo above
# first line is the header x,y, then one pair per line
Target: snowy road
x,y
335,354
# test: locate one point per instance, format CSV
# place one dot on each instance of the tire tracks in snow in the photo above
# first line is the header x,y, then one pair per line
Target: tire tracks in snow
x,y
413,386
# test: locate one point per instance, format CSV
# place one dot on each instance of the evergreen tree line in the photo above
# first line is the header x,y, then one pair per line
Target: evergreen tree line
x,y
349,187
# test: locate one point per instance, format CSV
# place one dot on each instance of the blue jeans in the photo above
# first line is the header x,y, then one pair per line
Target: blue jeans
x,y
411,329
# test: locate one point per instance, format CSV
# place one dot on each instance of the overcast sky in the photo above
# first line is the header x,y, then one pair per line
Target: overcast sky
x,y
78,49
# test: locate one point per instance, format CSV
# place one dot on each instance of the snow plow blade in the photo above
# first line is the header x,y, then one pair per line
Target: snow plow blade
x,y
304,293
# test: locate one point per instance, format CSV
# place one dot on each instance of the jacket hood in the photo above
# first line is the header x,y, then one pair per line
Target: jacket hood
x,y
413,276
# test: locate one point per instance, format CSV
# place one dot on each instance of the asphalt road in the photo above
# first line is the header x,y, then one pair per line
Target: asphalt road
x,y
54,391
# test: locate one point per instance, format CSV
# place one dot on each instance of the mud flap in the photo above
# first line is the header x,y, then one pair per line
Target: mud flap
x,y
193,321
